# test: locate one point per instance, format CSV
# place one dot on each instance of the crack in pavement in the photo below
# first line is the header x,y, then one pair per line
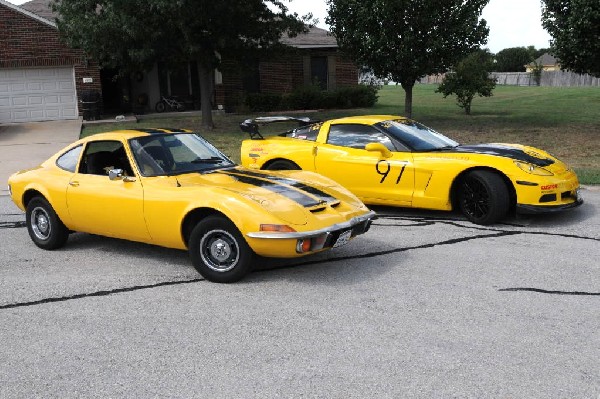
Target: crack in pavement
x,y
419,222
541,291
12,225
98,293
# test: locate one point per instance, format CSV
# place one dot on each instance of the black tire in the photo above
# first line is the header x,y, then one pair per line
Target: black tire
x,y
181,107
282,164
160,106
45,228
218,250
483,197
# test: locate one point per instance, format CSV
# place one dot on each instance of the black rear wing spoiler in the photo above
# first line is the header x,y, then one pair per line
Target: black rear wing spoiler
x,y
250,126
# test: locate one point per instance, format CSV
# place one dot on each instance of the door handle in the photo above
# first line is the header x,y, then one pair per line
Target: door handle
x,y
74,183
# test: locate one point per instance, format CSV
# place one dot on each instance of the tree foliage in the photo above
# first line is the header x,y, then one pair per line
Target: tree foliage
x,y
134,34
513,59
405,40
575,28
470,77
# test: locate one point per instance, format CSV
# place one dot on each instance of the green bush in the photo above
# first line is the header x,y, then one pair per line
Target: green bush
x,y
312,97
263,102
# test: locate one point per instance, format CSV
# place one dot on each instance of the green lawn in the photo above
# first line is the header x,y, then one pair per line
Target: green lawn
x,y
563,121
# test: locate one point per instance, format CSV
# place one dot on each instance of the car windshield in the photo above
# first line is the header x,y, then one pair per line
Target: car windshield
x,y
173,154
415,136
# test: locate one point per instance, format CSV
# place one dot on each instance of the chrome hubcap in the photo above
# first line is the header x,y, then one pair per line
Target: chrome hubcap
x,y
219,250
40,223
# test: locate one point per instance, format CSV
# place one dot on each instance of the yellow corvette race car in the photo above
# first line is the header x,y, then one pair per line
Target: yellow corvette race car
x,y
174,189
391,160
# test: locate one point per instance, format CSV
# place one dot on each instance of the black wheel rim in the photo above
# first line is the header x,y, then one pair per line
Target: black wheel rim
x,y
40,223
219,250
475,199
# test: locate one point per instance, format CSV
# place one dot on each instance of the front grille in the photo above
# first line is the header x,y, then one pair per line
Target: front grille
x,y
568,195
548,198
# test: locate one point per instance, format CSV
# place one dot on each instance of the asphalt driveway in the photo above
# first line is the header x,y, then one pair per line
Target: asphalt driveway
x,y
25,145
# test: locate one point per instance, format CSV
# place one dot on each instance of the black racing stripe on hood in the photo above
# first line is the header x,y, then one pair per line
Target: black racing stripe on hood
x,y
502,151
323,196
276,187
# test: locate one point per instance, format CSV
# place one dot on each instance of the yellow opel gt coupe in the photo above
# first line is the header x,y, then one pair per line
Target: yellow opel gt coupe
x,y
174,189
391,160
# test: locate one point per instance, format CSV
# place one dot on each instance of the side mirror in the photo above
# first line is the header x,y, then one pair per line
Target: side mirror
x,y
378,147
117,174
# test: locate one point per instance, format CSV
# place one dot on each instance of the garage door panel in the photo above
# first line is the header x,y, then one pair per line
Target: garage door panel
x,y
37,94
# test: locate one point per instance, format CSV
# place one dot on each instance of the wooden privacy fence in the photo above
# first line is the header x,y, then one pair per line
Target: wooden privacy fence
x,y
548,78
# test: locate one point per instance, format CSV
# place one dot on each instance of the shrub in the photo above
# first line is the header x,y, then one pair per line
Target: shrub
x,y
312,97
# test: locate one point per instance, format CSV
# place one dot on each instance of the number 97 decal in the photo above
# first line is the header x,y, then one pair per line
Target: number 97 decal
x,y
384,168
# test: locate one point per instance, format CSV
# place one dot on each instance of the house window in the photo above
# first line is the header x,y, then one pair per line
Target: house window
x,y
318,71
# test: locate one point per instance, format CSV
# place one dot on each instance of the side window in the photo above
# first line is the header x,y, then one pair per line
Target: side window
x,y
68,160
357,136
101,156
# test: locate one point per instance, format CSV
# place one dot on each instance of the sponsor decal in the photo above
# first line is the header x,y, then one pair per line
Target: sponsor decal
x,y
549,187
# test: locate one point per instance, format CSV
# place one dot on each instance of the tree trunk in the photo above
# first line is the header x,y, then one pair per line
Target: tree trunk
x,y
408,91
206,88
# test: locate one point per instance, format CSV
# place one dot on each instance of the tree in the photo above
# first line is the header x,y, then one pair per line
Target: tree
x,y
575,29
407,39
470,77
513,59
133,35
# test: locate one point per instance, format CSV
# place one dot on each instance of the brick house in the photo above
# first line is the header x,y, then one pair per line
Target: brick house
x,y
43,79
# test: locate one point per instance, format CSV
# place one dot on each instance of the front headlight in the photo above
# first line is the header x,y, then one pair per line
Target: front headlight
x,y
533,169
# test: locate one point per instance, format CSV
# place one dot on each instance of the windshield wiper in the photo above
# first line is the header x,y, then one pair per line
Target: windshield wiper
x,y
211,160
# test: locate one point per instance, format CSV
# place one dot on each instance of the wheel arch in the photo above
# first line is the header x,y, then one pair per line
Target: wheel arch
x,y
457,181
30,194
272,161
192,218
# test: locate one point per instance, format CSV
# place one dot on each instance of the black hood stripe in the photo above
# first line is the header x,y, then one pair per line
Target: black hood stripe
x,y
276,187
323,196
502,151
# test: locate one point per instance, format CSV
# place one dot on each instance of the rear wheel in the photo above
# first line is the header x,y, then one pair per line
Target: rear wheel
x,y
46,230
483,197
218,250
160,106
282,164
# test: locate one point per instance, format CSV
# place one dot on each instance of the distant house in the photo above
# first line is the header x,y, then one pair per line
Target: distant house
x,y
45,79
547,61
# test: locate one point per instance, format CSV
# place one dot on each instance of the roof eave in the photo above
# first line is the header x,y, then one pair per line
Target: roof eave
x,y
28,13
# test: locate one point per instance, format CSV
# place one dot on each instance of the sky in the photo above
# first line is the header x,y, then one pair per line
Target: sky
x,y
512,23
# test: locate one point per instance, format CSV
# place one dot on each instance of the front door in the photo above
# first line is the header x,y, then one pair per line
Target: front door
x,y
368,174
102,206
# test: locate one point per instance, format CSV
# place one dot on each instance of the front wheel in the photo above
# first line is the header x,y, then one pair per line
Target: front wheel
x,y
218,250
180,107
46,230
484,197
160,106
282,164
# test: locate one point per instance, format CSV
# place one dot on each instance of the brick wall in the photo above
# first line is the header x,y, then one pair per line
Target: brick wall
x,y
27,42
282,75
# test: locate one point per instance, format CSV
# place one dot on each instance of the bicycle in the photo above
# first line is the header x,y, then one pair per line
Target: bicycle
x,y
169,102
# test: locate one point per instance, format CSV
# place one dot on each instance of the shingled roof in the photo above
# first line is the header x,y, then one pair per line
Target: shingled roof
x,y
40,8
314,38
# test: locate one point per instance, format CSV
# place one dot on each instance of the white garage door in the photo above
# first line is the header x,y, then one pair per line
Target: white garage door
x,y
37,94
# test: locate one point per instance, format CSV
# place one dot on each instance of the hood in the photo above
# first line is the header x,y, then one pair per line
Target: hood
x,y
513,151
287,198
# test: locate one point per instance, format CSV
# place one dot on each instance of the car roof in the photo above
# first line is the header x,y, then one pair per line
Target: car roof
x,y
366,119
132,133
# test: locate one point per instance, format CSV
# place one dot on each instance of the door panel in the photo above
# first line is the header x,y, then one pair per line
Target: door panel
x,y
107,207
